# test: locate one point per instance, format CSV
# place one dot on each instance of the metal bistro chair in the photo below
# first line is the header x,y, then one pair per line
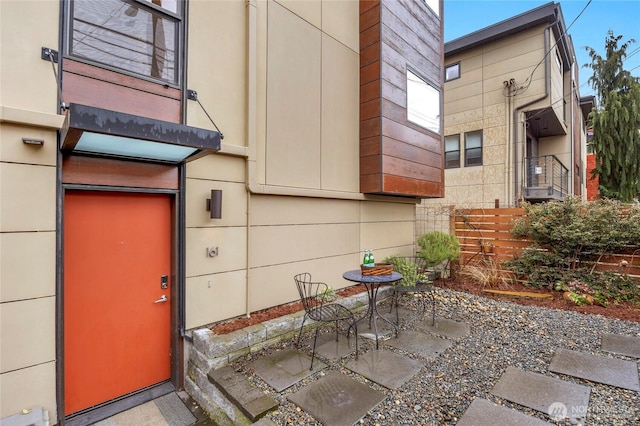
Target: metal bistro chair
x,y
312,295
422,285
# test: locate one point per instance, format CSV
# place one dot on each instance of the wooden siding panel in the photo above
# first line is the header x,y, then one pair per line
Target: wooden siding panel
x,y
370,109
409,169
371,146
370,36
370,54
93,86
405,151
404,41
409,135
370,17
398,185
410,157
100,171
370,128
370,164
370,91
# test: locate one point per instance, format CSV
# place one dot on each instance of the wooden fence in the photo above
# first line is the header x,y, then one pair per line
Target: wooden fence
x,y
485,236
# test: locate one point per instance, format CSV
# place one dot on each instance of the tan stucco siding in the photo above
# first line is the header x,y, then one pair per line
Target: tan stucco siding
x,y
27,262
217,67
478,101
300,80
324,237
288,235
311,104
28,82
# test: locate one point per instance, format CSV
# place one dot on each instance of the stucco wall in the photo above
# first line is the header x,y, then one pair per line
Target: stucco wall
x,y
27,207
289,164
478,101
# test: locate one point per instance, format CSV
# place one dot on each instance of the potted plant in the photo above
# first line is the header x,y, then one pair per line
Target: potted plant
x,y
438,249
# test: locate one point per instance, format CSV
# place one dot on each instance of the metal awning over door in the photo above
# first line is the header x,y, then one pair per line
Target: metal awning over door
x,y
92,130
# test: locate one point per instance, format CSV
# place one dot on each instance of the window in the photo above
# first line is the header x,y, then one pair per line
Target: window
x,y
473,148
451,151
423,103
558,60
434,5
451,72
137,36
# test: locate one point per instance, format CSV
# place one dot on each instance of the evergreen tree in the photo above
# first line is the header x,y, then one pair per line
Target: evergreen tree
x,y
616,121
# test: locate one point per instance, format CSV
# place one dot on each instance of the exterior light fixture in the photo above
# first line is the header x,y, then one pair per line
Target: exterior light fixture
x,y
214,204
33,141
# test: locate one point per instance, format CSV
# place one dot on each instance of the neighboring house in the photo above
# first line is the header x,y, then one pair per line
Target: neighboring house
x,y
514,120
128,221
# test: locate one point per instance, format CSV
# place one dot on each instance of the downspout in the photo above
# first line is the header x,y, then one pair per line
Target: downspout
x,y
507,189
252,122
516,112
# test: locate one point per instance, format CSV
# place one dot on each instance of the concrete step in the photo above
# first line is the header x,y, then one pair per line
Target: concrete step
x,y
251,401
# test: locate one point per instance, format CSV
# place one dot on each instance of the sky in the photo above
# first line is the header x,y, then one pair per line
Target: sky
x,y
462,17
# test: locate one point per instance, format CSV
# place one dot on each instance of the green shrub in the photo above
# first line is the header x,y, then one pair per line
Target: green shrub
x,y
437,247
569,237
405,267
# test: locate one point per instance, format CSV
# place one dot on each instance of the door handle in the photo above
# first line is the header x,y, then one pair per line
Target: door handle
x,y
162,299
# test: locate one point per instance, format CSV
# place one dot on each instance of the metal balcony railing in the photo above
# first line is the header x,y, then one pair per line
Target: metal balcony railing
x,y
546,178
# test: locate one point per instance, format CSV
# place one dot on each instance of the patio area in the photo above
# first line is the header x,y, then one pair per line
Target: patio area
x,y
484,362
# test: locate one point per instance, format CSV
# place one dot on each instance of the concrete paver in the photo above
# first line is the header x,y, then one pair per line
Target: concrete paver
x,y
613,372
623,345
385,368
329,348
337,399
485,413
283,369
445,327
422,344
542,393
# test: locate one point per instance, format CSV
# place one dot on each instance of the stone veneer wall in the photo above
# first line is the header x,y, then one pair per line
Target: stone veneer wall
x,y
210,351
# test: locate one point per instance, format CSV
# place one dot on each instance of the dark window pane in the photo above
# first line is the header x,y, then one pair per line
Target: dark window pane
x,y
451,159
125,36
473,148
473,157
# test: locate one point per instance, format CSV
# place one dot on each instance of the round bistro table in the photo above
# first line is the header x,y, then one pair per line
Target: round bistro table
x,y
372,283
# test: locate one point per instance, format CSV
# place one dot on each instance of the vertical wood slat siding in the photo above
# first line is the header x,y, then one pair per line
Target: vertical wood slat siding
x,y
408,160
486,234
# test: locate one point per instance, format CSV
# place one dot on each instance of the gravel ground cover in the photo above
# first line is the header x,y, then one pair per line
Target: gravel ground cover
x,y
502,334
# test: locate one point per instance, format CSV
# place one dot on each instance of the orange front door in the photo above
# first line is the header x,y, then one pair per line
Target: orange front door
x,y
117,248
